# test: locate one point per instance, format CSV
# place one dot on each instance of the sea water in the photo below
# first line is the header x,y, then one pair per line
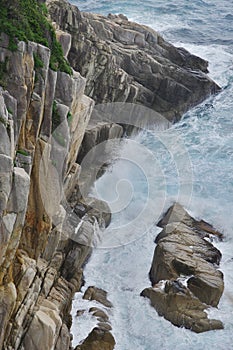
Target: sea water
x,y
195,158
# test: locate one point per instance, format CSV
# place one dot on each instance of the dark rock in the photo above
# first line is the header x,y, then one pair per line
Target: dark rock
x,y
99,313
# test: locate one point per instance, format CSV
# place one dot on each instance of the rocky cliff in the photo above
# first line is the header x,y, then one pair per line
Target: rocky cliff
x,y
37,277
127,62
44,113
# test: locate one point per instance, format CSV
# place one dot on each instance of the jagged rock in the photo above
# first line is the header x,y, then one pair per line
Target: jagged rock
x,y
98,339
104,326
100,314
127,62
180,307
8,295
176,213
98,294
36,302
183,254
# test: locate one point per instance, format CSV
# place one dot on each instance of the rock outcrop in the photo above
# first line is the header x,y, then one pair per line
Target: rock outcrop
x,y
184,275
127,62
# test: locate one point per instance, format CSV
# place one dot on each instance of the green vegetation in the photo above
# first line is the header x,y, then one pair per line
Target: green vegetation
x,y
9,111
3,121
37,61
3,71
26,20
23,152
59,138
56,119
69,118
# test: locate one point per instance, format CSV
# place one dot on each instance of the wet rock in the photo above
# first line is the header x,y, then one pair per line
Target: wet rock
x,y
100,314
80,313
104,326
98,294
98,339
183,254
178,305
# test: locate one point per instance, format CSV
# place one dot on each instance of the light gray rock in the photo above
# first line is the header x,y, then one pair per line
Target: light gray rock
x,y
20,191
127,62
6,167
43,329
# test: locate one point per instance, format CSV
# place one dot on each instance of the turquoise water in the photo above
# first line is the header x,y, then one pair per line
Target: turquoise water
x,y
195,162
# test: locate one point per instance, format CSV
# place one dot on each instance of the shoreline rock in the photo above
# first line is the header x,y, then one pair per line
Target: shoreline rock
x,y
184,272
100,338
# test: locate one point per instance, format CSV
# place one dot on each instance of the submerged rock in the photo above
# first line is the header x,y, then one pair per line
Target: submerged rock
x,y
187,264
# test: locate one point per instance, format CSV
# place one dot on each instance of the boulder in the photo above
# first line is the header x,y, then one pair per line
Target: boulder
x,y
98,339
98,294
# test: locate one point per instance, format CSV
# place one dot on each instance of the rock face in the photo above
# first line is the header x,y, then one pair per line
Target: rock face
x,y
41,252
128,62
184,277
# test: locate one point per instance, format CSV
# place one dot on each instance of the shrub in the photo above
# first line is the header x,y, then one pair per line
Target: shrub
x,y
26,20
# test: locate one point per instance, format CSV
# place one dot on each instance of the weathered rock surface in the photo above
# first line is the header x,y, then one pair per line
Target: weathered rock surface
x,y
184,275
128,62
179,306
41,257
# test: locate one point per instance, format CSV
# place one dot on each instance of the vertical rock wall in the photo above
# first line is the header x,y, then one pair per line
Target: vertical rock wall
x,y
37,104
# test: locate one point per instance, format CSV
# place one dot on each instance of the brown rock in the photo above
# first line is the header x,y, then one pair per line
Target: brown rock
x,y
180,307
100,314
98,339
100,295
183,253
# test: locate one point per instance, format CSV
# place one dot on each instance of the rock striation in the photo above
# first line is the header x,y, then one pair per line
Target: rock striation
x,y
184,273
47,230
127,62
41,253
